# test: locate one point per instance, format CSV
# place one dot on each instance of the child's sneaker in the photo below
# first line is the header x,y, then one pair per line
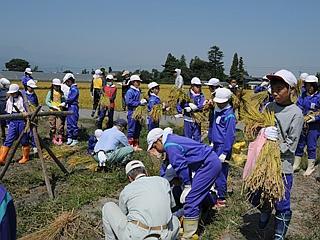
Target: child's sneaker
x,y
54,140
69,141
74,142
34,150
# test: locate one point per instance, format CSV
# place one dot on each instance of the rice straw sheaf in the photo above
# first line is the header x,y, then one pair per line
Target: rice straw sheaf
x,y
55,229
140,113
104,100
156,112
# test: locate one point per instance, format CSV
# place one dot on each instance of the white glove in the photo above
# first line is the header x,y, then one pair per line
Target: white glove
x,y
271,133
193,106
222,157
143,101
264,83
205,102
164,105
56,108
185,192
188,109
62,104
178,115
312,119
102,158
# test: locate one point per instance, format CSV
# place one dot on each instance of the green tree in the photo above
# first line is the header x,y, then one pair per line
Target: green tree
x,y
242,71
199,68
146,76
234,70
318,75
155,74
215,56
169,66
17,64
185,71
84,71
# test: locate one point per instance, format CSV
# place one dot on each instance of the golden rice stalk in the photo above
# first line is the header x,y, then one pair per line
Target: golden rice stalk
x,y
199,117
156,112
80,160
176,95
140,113
104,100
267,174
259,98
55,229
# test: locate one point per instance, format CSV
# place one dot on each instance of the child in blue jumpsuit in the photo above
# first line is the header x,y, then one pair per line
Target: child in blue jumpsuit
x,y
15,104
93,139
32,100
191,128
133,101
154,99
72,103
4,85
213,84
188,158
8,217
288,126
309,102
223,136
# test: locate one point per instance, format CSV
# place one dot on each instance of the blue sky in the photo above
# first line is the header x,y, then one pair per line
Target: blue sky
x,y
124,34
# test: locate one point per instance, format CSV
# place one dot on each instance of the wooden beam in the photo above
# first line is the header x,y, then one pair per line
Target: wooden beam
x,y
40,114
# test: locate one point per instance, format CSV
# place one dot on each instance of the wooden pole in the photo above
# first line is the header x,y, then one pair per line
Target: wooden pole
x,y
40,114
61,166
15,147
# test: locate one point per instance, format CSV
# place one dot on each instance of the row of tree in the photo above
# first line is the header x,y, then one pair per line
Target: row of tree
x,y
202,68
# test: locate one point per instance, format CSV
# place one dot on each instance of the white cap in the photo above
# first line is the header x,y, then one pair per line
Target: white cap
x,y
31,84
28,70
222,95
67,76
152,85
284,75
4,81
13,88
98,133
311,79
56,81
178,71
303,76
133,165
153,136
110,77
134,78
213,82
126,72
98,72
195,81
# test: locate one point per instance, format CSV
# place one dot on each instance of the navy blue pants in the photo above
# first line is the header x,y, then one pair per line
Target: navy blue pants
x,y
72,122
201,184
14,129
192,130
102,114
282,205
152,124
134,127
310,139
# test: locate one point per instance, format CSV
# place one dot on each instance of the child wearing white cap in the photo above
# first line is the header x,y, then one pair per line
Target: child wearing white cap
x,y
191,128
96,89
54,98
223,136
26,77
15,104
4,85
154,99
289,122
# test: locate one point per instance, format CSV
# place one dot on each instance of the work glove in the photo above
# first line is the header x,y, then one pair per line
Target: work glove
x,y
55,108
62,104
185,192
312,119
164,105
102,158
188,109
193,106
143,102
271,133
178,115
222,157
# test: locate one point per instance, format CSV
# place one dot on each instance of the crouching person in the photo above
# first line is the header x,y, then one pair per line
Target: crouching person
x,y
196,164
113,146
144,210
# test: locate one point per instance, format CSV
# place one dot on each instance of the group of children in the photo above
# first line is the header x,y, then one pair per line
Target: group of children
x,y
61,96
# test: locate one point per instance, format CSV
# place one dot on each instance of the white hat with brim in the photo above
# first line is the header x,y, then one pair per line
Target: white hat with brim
x,y
109,76
303,76
125,73
4,81
31,84
28,70
13,88
284,75
222,95
56,82
153,136
311,79
68,76
134,78
215,82
195,81
133,165
98,72
152,85
98,133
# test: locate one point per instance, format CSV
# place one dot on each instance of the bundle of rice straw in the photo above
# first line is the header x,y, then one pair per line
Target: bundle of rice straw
x,y
55,229
259,98
176,95
156,112
266,175
140,113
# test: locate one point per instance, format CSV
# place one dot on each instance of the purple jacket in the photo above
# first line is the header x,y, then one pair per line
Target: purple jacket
x,y
8,224
25,79
309,104
73,96
224,129
132,98
198,99
185,154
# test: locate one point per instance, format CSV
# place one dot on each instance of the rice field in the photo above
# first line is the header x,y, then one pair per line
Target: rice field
x,y
85,99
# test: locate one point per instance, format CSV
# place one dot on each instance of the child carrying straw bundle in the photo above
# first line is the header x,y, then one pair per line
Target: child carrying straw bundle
x,y
278,150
